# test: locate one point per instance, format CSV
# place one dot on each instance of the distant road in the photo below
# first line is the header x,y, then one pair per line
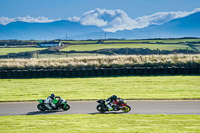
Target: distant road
x,y
89,107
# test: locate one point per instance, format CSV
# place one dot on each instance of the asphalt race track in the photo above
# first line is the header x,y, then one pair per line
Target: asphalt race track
x,y
89,107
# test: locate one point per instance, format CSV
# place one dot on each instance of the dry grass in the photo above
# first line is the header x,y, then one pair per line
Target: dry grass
x,y
102,61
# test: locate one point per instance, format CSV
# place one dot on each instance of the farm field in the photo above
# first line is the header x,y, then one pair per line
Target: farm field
x,y
133,87
100,123
5,51
91,47
137,41
156,41
197,46
76,42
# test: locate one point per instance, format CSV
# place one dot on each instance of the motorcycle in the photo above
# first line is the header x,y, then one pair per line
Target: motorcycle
x,y
60,104
119,104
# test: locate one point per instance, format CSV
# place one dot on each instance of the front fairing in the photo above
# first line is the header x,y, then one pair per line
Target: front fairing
x,y
40,100
122,102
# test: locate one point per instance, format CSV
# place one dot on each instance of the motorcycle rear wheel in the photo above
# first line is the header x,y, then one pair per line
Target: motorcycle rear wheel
x,y
126,109
100,109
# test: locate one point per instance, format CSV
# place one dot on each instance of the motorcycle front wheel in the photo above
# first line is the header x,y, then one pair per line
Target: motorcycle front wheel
x,y
126,109
67,107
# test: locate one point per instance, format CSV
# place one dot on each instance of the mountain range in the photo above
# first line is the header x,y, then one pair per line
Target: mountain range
x,y
188,26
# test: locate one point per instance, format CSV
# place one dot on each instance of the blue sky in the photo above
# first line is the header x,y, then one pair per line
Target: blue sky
x,y
55,9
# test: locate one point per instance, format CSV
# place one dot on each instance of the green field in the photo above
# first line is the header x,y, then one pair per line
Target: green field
x,y
91,47
156,41
78,42
133,87
138,41
197,46
5,51
107,123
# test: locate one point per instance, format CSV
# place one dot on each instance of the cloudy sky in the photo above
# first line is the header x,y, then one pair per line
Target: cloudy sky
x,y
110,15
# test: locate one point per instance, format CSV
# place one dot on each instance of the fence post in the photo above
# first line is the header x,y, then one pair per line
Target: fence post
x,y
37,55
126,51
158,51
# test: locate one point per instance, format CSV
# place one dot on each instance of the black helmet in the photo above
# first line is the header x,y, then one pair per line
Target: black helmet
x,y
114,97
52,96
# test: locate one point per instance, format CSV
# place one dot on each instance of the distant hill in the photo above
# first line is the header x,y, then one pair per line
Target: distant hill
x,y
188,26
52,30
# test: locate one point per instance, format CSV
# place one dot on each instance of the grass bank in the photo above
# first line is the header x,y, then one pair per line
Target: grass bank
x,y
101,123
133,87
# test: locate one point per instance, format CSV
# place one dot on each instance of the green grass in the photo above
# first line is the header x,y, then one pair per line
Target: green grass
x,y
5,51
112,123
197,46
76,42
134,87
91,47
157,41
129,41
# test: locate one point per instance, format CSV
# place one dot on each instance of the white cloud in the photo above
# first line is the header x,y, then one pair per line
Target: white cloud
x,y
6,20
74,19
110,20
114,20
163,17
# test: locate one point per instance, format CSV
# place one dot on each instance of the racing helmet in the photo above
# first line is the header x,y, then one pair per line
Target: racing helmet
x,y
114,97
52,96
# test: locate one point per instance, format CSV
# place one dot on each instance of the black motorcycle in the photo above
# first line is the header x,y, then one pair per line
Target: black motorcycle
x,y
120,104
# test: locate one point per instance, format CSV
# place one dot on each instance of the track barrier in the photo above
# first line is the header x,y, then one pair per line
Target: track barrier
x,y
69,73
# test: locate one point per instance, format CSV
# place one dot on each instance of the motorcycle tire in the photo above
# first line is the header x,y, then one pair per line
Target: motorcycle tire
x,y
40,107
67,107
126,109
100,108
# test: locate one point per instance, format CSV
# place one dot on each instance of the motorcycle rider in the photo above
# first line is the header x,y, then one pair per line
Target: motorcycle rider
x,y
109,102
49,102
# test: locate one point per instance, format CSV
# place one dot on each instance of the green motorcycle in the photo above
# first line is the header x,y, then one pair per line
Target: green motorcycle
x,y
60,104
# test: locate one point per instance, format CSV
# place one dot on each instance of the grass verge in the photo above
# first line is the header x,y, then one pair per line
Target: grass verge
x,y
133,87
100,123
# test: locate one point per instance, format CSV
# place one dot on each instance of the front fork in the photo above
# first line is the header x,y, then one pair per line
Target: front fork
x,y
65,104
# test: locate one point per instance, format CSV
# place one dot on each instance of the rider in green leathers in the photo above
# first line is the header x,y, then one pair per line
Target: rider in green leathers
x,y
50,102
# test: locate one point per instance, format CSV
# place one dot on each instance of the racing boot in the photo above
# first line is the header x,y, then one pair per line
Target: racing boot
x,y
109,107
48,106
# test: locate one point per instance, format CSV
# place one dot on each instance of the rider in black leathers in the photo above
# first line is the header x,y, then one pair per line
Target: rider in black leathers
x,y
109,102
